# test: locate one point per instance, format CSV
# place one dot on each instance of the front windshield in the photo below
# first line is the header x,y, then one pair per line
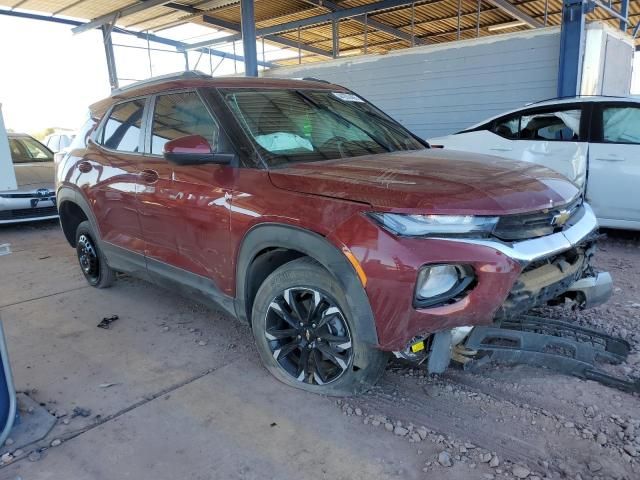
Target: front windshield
x,y
311,125
28,150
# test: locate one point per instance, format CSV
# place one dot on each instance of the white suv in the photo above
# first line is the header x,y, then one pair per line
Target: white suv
x,y
594,141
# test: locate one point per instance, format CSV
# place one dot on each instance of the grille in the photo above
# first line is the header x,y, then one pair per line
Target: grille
x,y
538,224
26,213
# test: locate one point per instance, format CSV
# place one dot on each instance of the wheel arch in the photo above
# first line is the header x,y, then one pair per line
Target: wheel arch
x,y
73,209
285,243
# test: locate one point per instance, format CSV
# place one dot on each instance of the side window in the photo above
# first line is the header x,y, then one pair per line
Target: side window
x,y
561,125
122,129
507,127
621,125
178,115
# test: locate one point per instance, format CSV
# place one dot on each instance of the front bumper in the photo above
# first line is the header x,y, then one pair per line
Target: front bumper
x,y
19,207
392,263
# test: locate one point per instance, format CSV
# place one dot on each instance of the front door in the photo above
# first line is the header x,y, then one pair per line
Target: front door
x,y
614,165
184,209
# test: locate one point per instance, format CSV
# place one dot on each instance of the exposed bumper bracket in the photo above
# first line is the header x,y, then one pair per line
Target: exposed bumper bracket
x,y
557,345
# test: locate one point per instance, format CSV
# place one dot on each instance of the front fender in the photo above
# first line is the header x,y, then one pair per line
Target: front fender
x,y
275,235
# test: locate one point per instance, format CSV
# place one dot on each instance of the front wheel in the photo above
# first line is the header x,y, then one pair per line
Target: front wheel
x,y
305,333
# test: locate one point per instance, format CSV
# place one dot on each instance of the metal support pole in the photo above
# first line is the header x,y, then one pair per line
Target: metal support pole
x,y
186,60
546,12
248,25
572,46
263,51
335,35
235,65
110,56
624,11
413,24
299,48
149,55
459,15
366,32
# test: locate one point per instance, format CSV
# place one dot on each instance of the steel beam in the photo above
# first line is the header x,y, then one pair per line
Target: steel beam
x,y
249,38
234,27
142,35
516,13
370,22
111,17
110,56
572,35
305,22
624,11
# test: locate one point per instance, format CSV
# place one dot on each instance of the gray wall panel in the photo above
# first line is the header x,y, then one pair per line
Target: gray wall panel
x,y
440,89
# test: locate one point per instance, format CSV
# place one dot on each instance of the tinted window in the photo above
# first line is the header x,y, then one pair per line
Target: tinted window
x,y
507,127
306,126
122,129
179,115
554,125
26,150
621,125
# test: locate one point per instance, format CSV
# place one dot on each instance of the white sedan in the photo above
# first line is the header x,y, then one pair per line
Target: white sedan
x,y
594,141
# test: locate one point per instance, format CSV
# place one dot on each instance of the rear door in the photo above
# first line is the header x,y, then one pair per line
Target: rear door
x,y
184,210
614,164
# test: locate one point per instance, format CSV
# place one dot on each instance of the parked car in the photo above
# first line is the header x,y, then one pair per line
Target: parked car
x,y
57,142
593,141
35,198
305,211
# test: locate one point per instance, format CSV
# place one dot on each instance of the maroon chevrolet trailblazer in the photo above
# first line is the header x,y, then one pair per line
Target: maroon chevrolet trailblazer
x,y
304,210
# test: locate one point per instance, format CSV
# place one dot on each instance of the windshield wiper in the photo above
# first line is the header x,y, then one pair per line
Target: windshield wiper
x,y
344,120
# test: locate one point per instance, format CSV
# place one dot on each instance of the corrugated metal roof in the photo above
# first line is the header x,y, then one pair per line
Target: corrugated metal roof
x,y
431,21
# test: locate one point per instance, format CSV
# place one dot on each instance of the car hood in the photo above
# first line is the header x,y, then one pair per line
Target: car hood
x,y
32,176
431,181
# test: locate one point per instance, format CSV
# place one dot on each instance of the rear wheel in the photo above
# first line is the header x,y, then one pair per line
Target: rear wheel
x,y
306,335
92,262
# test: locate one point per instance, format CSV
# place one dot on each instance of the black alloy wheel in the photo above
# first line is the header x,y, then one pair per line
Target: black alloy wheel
x,y
308,336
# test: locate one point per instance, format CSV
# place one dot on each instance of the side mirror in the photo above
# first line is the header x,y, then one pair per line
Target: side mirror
x,y
194,150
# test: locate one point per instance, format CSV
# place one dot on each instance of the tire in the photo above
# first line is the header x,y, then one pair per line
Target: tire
x,y
92,262
336,362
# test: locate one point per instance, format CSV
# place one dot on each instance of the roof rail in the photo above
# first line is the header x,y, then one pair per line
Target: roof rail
x,y
314,79
572,96
160,79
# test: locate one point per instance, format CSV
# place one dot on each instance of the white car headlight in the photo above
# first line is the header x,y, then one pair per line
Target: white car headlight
x,y
436,225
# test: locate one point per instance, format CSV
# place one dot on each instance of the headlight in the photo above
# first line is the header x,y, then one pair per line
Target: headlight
x,y
436,225
441,284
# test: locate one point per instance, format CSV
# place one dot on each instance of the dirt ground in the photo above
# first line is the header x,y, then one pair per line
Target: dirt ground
x,y
175,390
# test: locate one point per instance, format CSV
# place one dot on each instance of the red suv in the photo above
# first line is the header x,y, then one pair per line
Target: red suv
x,y
307,212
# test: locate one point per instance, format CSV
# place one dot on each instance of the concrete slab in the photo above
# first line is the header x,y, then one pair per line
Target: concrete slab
x,y
233,423
175,389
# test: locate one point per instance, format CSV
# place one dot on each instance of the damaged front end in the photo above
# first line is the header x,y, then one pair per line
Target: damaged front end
x,y
568,275
556,268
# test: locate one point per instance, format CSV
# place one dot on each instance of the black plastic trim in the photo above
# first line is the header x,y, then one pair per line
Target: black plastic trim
x,y
275,235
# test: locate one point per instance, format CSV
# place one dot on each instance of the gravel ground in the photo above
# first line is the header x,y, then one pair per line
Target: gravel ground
x,y
524,422
499,422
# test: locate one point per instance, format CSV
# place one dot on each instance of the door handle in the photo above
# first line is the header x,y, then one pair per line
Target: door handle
x,y
611,158
84,167
149,176
501,149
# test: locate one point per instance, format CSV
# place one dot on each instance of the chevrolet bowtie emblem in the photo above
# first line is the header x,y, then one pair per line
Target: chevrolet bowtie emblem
x,y
560,218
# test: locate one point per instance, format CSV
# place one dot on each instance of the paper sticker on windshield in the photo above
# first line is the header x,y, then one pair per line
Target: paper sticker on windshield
x,y
347,97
